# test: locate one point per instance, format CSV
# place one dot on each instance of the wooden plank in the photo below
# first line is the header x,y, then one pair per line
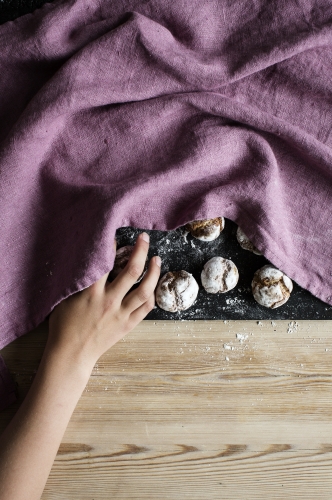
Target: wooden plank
x,y
205,409
177,472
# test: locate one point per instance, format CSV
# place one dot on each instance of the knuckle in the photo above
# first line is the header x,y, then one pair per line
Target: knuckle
x,y
110,303
118,315
143,295
134,271
150,304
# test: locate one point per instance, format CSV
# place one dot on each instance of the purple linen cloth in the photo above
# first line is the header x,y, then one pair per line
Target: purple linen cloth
x,y
152,114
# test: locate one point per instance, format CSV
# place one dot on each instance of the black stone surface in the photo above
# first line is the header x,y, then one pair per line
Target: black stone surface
x,y
11,9
178,254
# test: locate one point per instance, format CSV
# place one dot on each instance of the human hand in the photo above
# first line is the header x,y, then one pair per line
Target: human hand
x,y
81,328
88,323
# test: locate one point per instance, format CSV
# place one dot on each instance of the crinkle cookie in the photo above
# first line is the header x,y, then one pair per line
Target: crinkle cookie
x,y
206,230
176,291
121,259
219,275
271,287
245,243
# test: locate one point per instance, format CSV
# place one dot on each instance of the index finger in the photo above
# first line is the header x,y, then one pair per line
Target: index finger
x,y
133,270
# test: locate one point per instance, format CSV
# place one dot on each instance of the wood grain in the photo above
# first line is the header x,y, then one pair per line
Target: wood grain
x,y
192,409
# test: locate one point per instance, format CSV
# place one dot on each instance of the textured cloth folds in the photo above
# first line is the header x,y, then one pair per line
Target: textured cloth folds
x,y
152,114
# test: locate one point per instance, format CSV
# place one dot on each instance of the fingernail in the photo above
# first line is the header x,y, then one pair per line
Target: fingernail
x,y
158,260
145,237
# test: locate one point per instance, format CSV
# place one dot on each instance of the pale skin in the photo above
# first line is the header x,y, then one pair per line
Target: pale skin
x,y
81,329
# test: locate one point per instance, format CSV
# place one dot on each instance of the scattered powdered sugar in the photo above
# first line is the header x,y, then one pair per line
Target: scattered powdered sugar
x,y
234,301
292,327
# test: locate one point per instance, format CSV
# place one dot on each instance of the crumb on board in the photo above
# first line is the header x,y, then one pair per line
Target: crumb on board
x,y
241,337
292,327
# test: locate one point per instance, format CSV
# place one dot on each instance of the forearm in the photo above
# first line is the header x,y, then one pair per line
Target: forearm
x,y
30,443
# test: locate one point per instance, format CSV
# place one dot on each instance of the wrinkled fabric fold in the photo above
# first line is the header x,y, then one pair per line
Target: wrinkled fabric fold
x,y
153,114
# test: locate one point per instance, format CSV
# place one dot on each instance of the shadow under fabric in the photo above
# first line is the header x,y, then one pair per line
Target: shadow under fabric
x,y
153,114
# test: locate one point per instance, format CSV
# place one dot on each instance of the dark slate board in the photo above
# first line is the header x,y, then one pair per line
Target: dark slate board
x,y
11,9
178,254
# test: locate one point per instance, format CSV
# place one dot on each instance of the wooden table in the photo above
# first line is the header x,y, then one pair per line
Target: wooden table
x,y
198,410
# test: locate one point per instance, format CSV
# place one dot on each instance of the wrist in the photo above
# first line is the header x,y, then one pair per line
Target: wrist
x,y
74,363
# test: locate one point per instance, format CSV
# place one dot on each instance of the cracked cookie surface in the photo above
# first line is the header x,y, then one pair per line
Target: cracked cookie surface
x,y
206,230
245,243
176,291
271,287
219,275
